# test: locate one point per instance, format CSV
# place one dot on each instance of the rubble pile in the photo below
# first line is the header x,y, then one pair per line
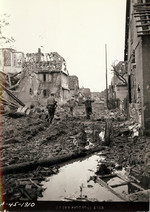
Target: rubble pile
x,y
27,186
31,139
130,149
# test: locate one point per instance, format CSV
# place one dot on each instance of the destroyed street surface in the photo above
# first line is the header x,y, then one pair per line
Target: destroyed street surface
x,y
33,149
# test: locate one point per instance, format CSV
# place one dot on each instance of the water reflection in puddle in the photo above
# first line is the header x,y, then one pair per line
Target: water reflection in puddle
x,y
71,177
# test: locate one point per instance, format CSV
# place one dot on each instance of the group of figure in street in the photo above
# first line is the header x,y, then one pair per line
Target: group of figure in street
x,y
72,102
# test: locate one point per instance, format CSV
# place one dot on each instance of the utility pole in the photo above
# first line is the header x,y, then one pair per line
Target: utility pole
x,y
108,122
106,76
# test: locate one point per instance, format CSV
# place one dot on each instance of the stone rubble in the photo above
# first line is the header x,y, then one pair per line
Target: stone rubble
x,y
31,138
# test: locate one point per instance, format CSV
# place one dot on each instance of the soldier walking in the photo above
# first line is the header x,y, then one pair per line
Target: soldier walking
x,y
88,107
51,106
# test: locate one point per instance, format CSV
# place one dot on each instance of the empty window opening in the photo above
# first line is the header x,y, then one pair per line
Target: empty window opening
x,y
44,77
45,93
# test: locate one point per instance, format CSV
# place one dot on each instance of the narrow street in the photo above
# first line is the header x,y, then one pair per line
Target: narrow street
x,y
74,105
37,155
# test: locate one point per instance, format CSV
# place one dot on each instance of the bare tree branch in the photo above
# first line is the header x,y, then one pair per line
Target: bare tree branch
x,y
120,74
3,26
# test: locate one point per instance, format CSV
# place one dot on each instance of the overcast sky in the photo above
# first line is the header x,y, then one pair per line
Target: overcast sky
x,y
77,29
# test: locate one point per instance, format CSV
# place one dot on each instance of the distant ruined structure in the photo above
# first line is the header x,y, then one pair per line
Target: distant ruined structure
x,y
73,85
39,76
11,61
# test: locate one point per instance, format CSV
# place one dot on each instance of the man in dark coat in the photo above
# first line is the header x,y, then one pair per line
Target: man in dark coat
x,y
51,106
88,107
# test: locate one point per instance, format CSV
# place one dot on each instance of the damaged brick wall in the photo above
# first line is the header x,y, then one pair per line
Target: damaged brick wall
x,y
11,60
41,75
138,67
118,90
121,92
27,90
73,85
56,82
146,81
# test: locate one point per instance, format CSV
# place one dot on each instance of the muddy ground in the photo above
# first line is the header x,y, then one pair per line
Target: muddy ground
x,y
31,139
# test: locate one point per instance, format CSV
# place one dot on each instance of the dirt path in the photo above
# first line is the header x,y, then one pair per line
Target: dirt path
x,y
27,139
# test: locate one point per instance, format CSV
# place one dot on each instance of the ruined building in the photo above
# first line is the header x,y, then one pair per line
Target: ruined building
x,y
51,75
118,90
119,81
86,92
11,60
41,74
73,85
137,55
96,96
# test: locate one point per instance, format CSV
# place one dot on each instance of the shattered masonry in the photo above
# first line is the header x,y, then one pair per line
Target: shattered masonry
x,y
39,76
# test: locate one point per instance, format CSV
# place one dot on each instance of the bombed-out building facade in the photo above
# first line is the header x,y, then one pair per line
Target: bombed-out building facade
x,y
37,77
51,73
137,56
118,90
119,82
11,60
131,80
74,85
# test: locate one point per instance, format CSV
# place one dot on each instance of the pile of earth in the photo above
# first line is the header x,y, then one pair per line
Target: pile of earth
x,y
31,138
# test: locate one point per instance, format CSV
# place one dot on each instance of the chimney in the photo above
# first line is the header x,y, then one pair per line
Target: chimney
x,y
39,50
39,55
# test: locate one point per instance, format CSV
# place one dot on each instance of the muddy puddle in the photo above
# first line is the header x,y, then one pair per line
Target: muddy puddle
x,y
74,182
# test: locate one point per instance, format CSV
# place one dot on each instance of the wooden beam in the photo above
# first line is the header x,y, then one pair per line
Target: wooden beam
x,y
123,178
121,184
101,182
137,16
139,192
78,199
9,102
144,30
71,199
107,176
136,13
141,4
24,192
134,178
147,19
142,9
141,25
139,35
12,95
37,186
137,186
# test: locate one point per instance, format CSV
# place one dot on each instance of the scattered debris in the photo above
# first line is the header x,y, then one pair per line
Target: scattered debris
x,y
34,139
102,135
103,170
